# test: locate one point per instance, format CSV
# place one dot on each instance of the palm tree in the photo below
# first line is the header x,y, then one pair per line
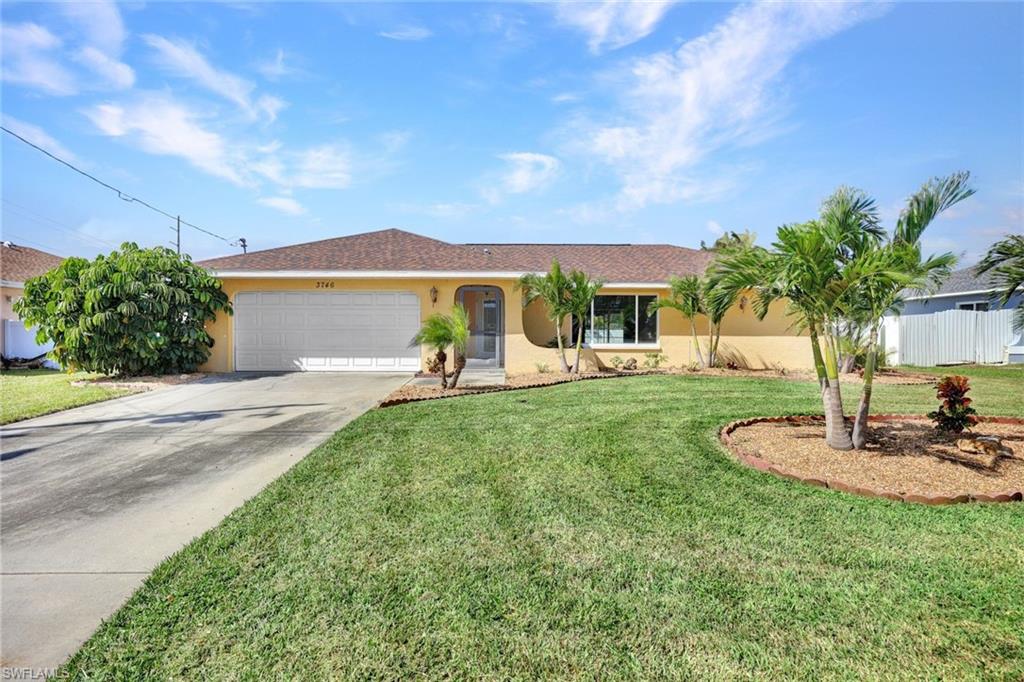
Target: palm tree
x,y
458,331
554,289
436,332
686,295
1005,260
899,267
582,291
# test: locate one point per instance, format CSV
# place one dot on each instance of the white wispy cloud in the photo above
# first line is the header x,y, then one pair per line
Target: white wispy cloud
x,y
182,59
714,227
114,72
283,204
527,171
323,167
157,124
100,22
407,32
102,31
612,24
714,91
276,68
565,98
31,58
40,137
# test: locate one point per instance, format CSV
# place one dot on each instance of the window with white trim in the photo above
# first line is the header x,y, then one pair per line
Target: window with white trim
x,y
620,320
980,306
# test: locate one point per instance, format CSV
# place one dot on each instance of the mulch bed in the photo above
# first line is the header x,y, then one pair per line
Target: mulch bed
x,y
412,393
906,458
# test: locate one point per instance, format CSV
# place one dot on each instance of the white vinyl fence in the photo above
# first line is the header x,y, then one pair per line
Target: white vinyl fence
x,y
20,342
949,337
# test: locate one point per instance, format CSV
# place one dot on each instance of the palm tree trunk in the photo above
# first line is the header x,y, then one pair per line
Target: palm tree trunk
x,y
840,437
579,347
696,344
860,424
819,368
711,344
441,359
460,364
561,347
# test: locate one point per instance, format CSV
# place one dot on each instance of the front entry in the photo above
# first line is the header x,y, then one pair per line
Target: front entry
x,y
486,308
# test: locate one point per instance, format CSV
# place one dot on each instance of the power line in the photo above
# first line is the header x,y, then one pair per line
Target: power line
x,y
23,212
124,196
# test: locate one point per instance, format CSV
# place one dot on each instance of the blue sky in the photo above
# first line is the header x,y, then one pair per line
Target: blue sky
x,y
595,122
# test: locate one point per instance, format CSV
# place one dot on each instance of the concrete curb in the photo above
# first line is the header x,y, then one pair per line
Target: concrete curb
x,y
761,464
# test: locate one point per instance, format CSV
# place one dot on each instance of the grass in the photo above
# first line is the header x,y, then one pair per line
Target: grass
x,y
589,530
33,392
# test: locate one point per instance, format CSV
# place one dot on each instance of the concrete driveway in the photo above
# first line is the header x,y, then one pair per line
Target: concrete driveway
x,y
95,497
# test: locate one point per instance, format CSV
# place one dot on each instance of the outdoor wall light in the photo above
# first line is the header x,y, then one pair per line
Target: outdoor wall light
x,y
433,294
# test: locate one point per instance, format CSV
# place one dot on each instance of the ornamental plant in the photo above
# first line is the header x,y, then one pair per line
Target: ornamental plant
x,y
955,413
131,312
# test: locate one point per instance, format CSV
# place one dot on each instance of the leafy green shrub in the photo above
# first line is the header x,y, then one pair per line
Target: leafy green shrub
x,y
955,413
616,361
134,311
654,360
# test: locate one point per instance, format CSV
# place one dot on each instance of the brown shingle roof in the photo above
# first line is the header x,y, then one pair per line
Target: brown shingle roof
x,y
19,263
613,262
397,250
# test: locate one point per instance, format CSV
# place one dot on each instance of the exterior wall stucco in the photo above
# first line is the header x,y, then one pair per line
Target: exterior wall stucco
x,y
745,340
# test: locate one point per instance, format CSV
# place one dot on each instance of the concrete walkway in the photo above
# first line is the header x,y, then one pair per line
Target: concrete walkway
x,y
95,497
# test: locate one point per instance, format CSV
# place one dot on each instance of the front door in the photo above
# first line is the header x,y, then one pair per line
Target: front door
x,y
486,311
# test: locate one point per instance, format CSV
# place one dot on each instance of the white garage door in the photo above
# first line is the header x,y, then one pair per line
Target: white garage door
x,y
343,331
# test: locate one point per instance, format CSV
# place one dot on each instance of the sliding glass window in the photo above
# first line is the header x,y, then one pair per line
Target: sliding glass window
x,y
620,321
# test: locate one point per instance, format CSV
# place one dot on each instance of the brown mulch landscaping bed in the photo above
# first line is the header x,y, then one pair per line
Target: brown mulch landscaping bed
x,y
413,393
906,458
143,383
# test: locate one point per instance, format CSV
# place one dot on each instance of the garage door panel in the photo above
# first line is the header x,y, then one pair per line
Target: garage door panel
x,y
326,331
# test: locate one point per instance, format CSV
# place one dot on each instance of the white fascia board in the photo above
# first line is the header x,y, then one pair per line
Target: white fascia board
x,y
975,292
11,284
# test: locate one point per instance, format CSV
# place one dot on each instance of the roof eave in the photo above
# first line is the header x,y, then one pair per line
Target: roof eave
x,y
407,274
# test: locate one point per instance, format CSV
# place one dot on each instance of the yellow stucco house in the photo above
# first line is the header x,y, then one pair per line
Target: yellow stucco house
x,y
354,303
17,264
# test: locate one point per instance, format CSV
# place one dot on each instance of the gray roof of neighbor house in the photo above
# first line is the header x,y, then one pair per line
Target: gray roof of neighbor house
x,y
399,251
961,281
19,263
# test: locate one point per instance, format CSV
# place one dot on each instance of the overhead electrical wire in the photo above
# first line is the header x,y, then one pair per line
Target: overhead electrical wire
x,y
28,214
124,196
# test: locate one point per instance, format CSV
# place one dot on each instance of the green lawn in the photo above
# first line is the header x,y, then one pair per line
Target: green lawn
x,y
33,392
590,530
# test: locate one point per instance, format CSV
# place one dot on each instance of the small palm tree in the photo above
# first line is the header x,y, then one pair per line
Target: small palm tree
x,y
436,332
441,331
897,266
686,295
582,290
1005,260
554,289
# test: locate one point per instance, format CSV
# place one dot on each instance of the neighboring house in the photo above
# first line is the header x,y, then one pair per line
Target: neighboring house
x,y
354,303
18,264
962,290
963,321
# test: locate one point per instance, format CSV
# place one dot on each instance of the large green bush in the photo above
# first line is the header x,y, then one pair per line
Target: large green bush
x,y
134,311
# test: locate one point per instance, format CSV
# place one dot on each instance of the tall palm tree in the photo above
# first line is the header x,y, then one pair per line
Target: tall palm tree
x,y
436,332
582,290
458,331
1005,260
686,295
554,289
899,267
